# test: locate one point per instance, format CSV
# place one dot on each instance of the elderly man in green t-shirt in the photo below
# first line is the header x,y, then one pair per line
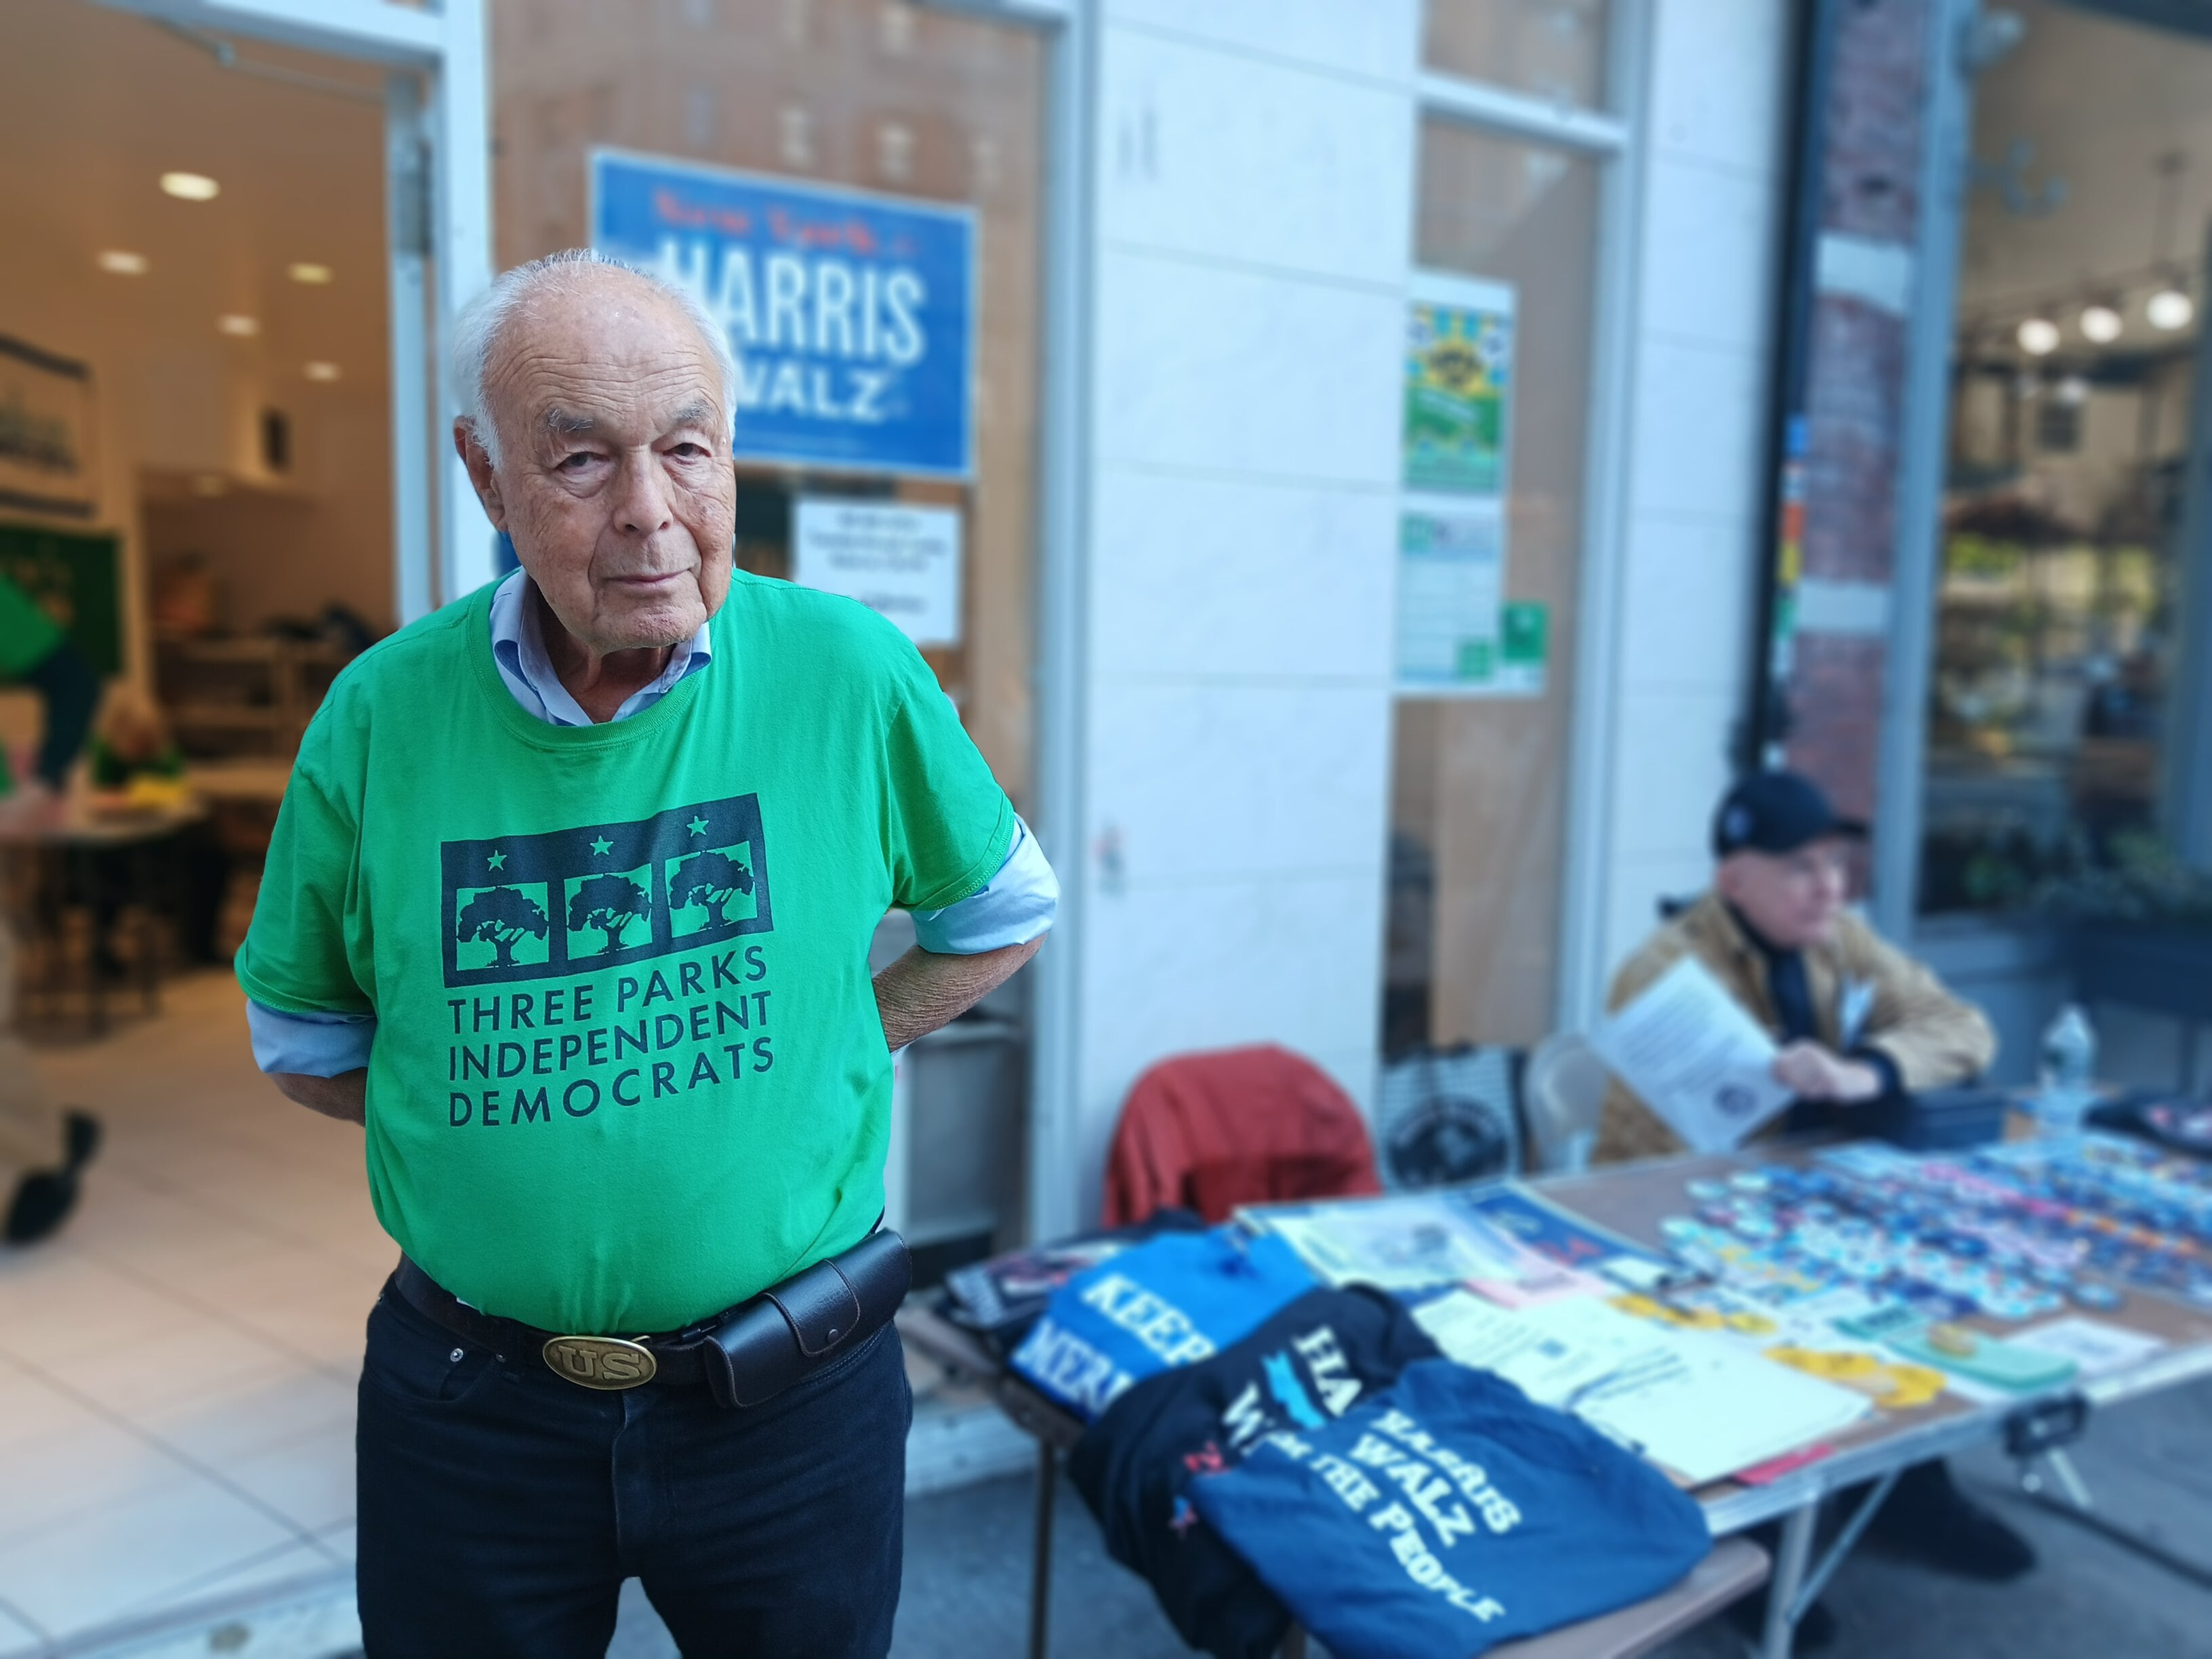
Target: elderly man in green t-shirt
x,y
570,902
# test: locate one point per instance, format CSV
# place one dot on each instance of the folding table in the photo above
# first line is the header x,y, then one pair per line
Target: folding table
x,y
1630,1201
1734,1569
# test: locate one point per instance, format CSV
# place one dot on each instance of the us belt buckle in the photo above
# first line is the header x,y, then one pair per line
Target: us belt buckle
x,y
600,1362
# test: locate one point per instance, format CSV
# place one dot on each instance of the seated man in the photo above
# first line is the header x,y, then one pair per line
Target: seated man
x,y
1856,1020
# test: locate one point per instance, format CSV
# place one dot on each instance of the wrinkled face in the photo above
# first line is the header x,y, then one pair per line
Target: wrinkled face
x,y
614,477
1793,899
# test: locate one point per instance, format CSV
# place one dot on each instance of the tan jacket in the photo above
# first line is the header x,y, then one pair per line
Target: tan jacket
x,y
1898,1007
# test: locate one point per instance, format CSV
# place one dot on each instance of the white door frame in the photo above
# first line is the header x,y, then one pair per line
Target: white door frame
x,y
438,189
1068,29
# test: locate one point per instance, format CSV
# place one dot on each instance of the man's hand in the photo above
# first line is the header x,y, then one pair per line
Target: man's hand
x,y
1811,1072
922,991
344,1096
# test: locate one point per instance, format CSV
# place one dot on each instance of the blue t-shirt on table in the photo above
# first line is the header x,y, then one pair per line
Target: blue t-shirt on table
x,y
1172,1301
1449,1514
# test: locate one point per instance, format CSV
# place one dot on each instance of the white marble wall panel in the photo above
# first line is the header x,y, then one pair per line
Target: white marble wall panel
x,y
1710,280
1699,427
1218,156
1224,780
1719,86
1686,602
1201,367
1220,575
1255,173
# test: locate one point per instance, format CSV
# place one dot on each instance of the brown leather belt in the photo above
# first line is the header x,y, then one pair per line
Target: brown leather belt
x,y
745,1355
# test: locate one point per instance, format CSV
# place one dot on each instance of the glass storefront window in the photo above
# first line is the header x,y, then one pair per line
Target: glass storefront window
x,y
1478,774
877,96
794,162
1554,49
2059,601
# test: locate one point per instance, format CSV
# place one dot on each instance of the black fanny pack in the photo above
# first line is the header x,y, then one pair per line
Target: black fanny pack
x,y
746,1355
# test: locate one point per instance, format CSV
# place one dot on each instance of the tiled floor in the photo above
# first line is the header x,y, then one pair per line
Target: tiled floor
x,y
177,1367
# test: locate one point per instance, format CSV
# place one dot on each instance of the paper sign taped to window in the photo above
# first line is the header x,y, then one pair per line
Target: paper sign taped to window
x,y
901,561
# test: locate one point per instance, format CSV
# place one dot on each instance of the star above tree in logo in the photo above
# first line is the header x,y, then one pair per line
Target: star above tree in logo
x,y
600,844
497,858
697,826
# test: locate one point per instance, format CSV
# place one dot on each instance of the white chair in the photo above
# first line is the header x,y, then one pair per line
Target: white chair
x,y
1564,1092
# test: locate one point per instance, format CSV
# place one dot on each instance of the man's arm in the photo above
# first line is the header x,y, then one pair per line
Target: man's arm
x,y
344,1096
1930,1036
922,991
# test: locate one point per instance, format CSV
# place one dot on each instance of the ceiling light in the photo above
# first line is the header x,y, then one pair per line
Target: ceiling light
x,y
122,262
2100,324
2072,389
244,327
2038,336
306,271
321,371
2169,309
191,187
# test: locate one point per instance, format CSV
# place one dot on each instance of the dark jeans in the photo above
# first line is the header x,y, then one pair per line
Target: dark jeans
x,y
501,1507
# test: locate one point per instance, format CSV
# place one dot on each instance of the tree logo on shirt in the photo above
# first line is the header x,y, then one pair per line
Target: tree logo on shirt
x,y
535,906
504,915
712,879
607,905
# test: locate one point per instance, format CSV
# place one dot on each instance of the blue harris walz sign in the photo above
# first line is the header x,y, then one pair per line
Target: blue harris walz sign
x,y
851,316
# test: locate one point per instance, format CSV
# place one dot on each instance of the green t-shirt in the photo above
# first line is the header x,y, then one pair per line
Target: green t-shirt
x,y
628,1066
28,635
27,638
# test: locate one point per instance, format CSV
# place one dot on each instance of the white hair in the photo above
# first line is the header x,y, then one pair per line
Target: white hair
x,y
477,329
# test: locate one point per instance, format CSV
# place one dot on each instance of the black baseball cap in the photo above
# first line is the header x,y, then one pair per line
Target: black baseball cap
x,y
1777,812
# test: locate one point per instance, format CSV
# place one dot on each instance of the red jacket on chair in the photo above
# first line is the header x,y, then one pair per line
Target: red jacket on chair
x,y
1239,1125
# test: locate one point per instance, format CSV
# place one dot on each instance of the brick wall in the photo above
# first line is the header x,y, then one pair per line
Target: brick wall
x,y
1855,395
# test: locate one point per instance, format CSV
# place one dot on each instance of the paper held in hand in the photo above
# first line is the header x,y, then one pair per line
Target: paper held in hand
x,y
1691,1053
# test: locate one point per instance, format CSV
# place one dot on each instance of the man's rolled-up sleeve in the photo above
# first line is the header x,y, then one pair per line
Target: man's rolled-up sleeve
x,y
1016,905
309,1045
298,960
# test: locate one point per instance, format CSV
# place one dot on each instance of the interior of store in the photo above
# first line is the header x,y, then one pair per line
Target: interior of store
x,y
2079,327
193,377
196,287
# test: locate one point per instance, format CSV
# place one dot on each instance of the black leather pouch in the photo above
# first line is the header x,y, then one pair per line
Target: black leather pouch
x,y
793,1329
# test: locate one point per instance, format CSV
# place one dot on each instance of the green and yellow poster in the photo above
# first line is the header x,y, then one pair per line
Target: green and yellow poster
x,y
1459,390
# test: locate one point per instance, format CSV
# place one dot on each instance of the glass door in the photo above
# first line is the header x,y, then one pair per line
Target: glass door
x,y
1497,412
